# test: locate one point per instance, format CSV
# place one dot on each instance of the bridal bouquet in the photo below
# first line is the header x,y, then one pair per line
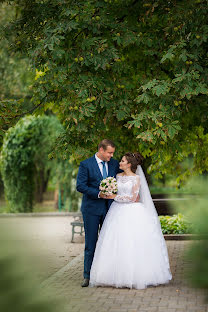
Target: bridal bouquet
x,y
108,186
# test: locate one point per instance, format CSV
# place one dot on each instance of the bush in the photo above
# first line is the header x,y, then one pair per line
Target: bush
x,y
176,224
25,166
19,286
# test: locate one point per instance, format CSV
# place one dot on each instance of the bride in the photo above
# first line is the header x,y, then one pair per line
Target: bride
x,y
131,251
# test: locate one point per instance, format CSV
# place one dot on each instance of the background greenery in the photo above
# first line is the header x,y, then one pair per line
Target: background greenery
x,y
24,160
16,76
26,168
175,224
19,284
197,215
134,71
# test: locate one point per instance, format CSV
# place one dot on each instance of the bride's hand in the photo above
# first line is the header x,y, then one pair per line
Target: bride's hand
x,y
111,196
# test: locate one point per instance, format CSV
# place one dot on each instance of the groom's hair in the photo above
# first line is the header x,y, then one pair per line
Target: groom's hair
x,y
105,143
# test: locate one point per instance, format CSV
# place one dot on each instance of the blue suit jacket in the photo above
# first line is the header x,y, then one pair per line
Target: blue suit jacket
x,y
88,182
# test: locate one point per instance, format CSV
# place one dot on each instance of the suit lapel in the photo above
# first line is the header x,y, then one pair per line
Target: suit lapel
x,y
95,165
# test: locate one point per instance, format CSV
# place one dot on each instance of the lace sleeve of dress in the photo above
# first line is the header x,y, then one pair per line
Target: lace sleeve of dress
x,y
134,193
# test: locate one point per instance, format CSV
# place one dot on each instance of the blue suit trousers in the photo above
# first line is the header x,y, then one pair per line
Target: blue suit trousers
x,y
92,225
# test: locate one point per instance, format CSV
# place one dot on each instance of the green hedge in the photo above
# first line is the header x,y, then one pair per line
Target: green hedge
x,y
176,224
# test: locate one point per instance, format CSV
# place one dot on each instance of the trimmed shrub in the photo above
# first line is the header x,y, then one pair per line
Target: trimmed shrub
x,y
176,224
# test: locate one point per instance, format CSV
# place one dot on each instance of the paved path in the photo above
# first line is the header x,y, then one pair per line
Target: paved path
x,y
175,297
63,272
46,239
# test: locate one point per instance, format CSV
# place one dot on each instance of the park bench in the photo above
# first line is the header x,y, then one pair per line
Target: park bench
x,y
77,223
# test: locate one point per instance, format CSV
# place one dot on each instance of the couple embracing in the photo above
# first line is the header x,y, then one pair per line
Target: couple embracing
x,y
130,250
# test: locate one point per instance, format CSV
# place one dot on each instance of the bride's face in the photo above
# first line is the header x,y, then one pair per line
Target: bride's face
x,y
124,164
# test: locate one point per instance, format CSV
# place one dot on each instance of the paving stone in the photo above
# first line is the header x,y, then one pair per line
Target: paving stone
x,y
151,309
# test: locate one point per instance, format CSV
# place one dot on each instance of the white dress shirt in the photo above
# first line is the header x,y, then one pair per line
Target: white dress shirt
x,y
100,165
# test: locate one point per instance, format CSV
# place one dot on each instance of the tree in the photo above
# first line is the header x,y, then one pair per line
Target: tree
x,y
134,71
25,165
15,78
64,174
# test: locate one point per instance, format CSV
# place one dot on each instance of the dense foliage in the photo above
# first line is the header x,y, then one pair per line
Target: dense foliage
x,y
64,175
133,71
15,78
25,165
175,224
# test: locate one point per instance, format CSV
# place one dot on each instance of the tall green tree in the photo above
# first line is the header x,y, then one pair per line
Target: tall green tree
x,y
25,165
134,71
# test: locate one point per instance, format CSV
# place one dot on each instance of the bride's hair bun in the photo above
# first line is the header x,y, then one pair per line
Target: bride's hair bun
x,y
139,158
134,159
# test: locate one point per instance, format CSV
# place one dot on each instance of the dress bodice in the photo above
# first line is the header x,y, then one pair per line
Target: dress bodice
x,y
125,184
128,188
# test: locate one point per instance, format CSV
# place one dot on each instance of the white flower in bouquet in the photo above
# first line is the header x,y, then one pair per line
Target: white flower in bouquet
x,y
108,186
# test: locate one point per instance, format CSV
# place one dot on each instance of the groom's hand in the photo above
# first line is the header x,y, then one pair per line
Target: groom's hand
x,y
101,195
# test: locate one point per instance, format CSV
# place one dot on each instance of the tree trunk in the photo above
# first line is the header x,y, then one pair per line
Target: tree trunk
x,y
41,185
56,196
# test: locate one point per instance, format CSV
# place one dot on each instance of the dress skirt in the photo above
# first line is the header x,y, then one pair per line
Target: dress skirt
x,y
131,251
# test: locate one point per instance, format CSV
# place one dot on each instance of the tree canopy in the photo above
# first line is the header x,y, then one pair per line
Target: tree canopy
x,y
133,71
15,77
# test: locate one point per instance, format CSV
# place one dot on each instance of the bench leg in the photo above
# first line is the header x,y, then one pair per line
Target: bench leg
x,y
72,240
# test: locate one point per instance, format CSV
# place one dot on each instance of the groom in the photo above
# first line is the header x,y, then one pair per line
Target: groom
x,y
94,204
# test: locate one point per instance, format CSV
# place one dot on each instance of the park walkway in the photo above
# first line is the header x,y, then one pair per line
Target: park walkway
x,y
64,263
175,297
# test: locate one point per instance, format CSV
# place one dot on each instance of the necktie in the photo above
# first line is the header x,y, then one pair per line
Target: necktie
x,y
104,170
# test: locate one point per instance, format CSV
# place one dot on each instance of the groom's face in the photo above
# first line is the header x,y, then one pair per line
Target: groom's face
x,y
107,153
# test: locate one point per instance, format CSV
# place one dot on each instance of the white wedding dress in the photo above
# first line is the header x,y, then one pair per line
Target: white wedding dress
x,y
131,251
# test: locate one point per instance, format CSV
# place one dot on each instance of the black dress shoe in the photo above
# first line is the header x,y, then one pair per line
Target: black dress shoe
x,y
85,282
